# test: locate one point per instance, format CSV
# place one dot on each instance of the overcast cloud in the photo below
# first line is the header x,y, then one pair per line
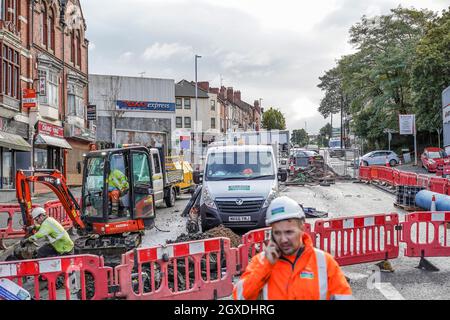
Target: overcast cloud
x,y
274,50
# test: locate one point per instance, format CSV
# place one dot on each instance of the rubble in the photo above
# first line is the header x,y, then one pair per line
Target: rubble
x,y
217,232
316,173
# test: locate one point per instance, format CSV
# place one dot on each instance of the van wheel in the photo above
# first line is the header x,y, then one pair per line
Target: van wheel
x,y
170,198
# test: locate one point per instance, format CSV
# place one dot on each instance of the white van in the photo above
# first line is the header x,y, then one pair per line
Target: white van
x,y
239,182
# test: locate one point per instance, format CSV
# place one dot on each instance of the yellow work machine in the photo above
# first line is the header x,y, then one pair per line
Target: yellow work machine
x,y
178,163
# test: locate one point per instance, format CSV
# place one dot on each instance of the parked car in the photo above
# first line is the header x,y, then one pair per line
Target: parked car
x,y
378,157
302,158
434,159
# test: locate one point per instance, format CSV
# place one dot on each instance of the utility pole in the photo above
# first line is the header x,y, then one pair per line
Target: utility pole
x,y
196,106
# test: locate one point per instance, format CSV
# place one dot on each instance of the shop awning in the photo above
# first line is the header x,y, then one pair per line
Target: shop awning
x,y
43,139
13,141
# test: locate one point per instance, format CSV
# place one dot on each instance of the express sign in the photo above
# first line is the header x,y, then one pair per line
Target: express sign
x,y
50,129
145,105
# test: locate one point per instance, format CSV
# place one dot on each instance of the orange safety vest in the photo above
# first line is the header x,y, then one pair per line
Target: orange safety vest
x,y
314,275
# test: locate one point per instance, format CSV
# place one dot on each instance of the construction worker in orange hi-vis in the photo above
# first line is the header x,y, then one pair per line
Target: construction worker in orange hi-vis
x,y
290,268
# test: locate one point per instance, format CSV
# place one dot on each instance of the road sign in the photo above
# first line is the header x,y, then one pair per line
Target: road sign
x,y
91,112
407,124
29,98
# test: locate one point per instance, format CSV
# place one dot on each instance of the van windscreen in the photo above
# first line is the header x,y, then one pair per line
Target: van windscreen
x,y
250,165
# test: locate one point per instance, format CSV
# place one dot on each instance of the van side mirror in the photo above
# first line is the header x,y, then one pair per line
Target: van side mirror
x,y
198,177
282,175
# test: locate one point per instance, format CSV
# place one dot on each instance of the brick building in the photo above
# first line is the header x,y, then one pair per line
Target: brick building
x,y
43,47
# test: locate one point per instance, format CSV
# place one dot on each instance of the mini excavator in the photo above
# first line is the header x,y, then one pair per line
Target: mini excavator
x,y
101,230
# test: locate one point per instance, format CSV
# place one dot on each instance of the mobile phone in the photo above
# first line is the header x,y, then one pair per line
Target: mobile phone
x,y
273,240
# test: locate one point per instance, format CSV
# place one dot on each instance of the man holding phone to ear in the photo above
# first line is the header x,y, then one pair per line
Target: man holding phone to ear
x,y
290,268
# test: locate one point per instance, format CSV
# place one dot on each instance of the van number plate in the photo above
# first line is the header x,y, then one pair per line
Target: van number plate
x,y
239,218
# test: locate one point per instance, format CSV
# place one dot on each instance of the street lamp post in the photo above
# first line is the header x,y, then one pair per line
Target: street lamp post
x,y
196,106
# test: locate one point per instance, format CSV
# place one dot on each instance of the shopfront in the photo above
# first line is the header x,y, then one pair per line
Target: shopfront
x,y
14,154
49,146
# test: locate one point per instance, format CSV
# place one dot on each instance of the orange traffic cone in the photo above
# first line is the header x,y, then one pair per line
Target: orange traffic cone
x,y
433,203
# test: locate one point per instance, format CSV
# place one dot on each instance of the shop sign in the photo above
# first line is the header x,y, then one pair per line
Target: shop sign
x,y
91,112
145,106
29,98
50,129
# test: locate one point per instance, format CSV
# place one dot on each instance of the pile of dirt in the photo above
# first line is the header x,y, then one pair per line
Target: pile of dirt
x,y
224,232
314,174
216,232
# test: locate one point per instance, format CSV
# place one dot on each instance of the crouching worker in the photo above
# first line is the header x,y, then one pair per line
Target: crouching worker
x,y
290,268
58,238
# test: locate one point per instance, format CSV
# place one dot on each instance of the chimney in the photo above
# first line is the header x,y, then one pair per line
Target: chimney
x,y
214,90
256,105
237,96
222,93
230,94
204,85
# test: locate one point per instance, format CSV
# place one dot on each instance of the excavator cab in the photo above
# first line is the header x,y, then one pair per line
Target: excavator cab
x,y
117,192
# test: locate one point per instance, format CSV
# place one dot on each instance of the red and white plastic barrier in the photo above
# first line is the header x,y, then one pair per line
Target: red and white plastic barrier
x,y
439,185
56,210
426,234
423,181
80,277
364,173
191,270
359,239
253,242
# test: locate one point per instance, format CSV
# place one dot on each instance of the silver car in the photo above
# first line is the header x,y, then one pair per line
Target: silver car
x,y
380,157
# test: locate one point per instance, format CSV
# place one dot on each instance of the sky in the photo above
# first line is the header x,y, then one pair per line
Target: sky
x,y
269,50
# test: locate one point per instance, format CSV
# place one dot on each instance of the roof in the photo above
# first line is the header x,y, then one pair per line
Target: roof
x,y
241,148
433,149
243,105
186,89
13,141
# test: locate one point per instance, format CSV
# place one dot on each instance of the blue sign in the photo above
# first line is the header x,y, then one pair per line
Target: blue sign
x,y
145,105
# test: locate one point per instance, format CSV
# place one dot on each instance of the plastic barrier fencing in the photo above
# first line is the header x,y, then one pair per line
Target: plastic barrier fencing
x,y
11,224
360,239
56,210
426,234
191,270
253,242
439,185
423,181
385,174
364,173
408,179
81,277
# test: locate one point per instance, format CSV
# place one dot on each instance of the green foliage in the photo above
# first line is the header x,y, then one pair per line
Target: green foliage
x,y
300,137
273,119
325,134
401,65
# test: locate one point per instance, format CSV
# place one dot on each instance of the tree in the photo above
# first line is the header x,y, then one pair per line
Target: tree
x,y
300,137
325,134
273,119
431,73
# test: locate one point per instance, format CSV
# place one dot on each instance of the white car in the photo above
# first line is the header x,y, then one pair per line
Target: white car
x,y
380,157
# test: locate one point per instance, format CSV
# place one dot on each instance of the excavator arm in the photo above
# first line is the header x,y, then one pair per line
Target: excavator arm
x,y
57,183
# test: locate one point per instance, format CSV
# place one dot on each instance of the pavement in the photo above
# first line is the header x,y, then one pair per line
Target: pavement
x,y
343,199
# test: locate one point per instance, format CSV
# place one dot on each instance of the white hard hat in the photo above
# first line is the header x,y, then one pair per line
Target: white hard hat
x,y
37,212
283,208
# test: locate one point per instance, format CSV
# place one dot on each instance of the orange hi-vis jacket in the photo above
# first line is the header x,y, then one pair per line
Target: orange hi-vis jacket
x,y
313,275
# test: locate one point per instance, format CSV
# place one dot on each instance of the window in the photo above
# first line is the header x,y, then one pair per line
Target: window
x,y
179,122
187,103
7,169
92,199
51,30
187,122
75,101
44,21
12,6
78,46
72,47
178,103
10,73
51,96
213,123
156,163
213,105
143,202
40,158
